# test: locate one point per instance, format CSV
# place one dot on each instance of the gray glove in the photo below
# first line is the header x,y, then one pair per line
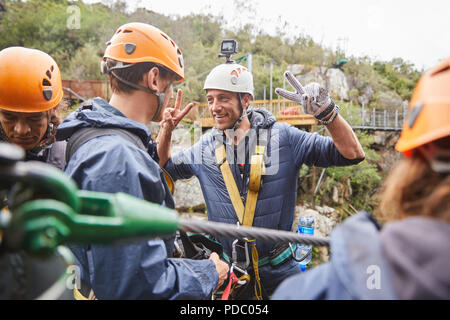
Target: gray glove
x,y
313,98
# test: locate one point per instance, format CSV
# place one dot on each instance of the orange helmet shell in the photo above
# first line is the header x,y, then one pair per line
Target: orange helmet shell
x,y
30,80
140,42
429,110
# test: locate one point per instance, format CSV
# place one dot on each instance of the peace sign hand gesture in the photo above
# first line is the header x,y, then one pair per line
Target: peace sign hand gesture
x,y
173,116
313,98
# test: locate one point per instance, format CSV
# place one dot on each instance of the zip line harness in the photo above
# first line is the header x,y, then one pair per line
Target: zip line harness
x,y
246,213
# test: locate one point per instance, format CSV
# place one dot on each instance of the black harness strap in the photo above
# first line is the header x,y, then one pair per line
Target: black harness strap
x,y
85,134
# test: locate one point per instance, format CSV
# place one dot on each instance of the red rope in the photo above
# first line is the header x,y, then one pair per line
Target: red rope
x,y
233,280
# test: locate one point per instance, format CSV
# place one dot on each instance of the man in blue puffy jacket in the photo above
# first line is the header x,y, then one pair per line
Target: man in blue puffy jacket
x,y
229,90
142,63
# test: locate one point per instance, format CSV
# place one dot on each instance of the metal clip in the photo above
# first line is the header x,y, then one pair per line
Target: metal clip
x,y
235,264
244,272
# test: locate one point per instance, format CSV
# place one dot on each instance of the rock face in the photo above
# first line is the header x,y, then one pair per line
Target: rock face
x,y
325,219
384,144
366,95
337,83
188,195
388,100
331,78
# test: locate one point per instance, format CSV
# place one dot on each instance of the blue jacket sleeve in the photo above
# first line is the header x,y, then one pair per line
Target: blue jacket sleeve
x,y
319,283
313,149
138,270
183,164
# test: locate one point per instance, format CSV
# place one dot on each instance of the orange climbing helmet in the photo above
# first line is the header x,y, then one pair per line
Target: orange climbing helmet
x,y
429,110
140,42
30,80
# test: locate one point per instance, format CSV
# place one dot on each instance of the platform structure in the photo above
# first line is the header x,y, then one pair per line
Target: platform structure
x,y
284,111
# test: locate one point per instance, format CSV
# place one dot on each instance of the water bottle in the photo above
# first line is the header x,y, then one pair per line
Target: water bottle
x,y
305,227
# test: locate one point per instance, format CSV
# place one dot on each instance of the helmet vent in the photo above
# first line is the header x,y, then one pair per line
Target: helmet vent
x,y
52,68
129,47
165,37
127,31
49,74
46,83
48,93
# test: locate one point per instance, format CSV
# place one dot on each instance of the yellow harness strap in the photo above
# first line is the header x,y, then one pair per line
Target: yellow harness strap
x,y
79,296
247,213
257,168
233,192
169,181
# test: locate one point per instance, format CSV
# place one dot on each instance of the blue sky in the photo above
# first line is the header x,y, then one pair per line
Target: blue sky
x,y
417,31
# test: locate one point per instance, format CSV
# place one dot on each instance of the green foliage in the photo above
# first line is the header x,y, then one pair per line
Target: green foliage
x,y
401,76
364,177
84,65
44,24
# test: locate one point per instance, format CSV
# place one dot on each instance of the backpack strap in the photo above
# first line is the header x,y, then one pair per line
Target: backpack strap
x,y
85,134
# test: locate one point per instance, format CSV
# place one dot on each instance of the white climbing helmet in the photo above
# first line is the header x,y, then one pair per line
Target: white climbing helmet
x,y
230,77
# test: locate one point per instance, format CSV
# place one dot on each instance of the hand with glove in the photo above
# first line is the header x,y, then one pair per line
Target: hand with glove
x,y
313,98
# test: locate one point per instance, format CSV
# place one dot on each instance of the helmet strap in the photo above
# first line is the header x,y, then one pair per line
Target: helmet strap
x,y
438,158
160,96
49,130
243,114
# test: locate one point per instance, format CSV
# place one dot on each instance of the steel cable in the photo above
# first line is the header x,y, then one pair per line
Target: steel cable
x,y
241,232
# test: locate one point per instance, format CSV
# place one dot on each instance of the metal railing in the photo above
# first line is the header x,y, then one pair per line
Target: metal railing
x,y
366,119
374,119
277,107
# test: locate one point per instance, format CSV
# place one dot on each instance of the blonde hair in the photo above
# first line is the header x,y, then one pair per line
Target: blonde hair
x,y
414,189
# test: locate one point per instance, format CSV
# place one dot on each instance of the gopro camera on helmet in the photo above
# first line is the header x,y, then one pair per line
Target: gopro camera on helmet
x,y
227,49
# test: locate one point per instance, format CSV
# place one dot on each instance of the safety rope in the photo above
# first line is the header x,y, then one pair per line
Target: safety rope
x,y
255,259
241,232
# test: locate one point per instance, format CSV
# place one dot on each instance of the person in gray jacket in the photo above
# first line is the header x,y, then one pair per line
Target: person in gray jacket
x,y
409,257
243,131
